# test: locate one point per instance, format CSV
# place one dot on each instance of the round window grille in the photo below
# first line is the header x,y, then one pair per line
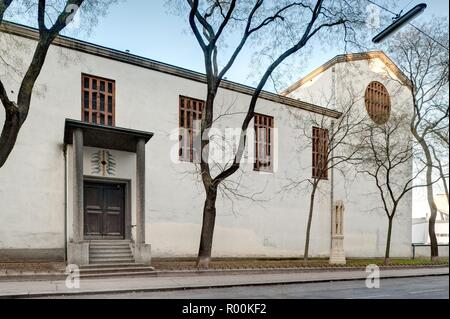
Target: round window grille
x,y
378,103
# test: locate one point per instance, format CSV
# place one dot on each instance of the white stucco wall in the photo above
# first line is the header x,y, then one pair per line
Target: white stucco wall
x,y
32,188
365,224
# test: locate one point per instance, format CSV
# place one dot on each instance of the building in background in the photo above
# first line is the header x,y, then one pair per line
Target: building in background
x,y
420,225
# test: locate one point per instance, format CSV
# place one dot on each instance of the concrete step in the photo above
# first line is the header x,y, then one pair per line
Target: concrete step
x,y
102,255
109,242
109,246
115,269
118,274
110,251
111,265
111,260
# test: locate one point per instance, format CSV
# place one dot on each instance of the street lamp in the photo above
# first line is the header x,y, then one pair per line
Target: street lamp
x,y
400,22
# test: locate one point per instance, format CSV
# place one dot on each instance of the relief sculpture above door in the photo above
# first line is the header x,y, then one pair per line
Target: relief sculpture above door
x,y
103,163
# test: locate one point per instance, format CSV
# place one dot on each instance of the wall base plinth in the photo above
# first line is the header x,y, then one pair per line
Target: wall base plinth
x,y
142,253
78,254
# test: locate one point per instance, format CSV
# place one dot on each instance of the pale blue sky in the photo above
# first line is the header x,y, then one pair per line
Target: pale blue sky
x,y
146,28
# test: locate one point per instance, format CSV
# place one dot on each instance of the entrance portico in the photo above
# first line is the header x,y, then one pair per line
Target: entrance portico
x,y
101,203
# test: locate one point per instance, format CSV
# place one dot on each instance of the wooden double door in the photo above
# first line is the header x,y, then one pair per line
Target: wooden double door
x,y
104,211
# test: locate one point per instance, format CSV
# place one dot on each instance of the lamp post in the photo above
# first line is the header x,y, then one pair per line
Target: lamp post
x,y
400,22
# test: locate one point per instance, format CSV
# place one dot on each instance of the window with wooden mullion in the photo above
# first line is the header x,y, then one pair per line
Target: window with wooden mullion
x,y
190,112
263,143
98,100
320,153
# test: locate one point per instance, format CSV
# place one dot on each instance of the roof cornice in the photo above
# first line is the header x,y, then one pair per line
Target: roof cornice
x,y
351,57
108,53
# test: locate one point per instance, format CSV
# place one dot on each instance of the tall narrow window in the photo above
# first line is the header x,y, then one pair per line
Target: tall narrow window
x,y
263,143
98,100
190,118
320,153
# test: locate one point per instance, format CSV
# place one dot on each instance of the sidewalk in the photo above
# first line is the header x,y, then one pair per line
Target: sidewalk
x,y
176,282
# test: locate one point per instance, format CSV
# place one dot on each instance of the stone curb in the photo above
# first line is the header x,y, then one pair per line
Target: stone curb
x,y
170,273
216,272
191,287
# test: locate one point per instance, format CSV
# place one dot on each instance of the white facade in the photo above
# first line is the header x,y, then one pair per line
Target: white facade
x,y
337,83
36,183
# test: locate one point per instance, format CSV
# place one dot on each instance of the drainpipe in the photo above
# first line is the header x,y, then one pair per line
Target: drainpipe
x,y
332,185
65,202
333,97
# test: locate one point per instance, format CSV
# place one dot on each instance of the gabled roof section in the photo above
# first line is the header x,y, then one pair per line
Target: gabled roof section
x,y
349,58
124,57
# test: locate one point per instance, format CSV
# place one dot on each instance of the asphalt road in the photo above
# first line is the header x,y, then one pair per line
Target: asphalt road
x,y
434,287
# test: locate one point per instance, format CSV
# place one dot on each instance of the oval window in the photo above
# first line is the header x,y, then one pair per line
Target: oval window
x,y
378,103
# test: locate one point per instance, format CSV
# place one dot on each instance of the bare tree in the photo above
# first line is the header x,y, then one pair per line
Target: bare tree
x,y
333,148
291,25
386,155
441,166
59,14
439,145
425,62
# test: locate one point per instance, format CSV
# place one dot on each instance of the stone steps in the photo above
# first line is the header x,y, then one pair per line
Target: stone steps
x,y
110,251
104,266
117,270
95,260
114,251
105,274
113,259
110,256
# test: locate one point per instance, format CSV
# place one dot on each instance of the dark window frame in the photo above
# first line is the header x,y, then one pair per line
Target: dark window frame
x,y
378,102
267,123
320,149
93,112
190,109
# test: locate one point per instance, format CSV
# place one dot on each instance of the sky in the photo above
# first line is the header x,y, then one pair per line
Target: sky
x,y
149,29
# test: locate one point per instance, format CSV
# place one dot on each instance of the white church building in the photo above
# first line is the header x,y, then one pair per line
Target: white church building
x,y
94,162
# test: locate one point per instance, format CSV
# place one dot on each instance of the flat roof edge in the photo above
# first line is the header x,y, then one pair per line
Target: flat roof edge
x,y
97,50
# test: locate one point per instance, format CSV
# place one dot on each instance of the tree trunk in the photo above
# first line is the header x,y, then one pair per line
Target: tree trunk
x,y
209,219
17,114
308,229
9,135
433,211
432,221
430,196
388,242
